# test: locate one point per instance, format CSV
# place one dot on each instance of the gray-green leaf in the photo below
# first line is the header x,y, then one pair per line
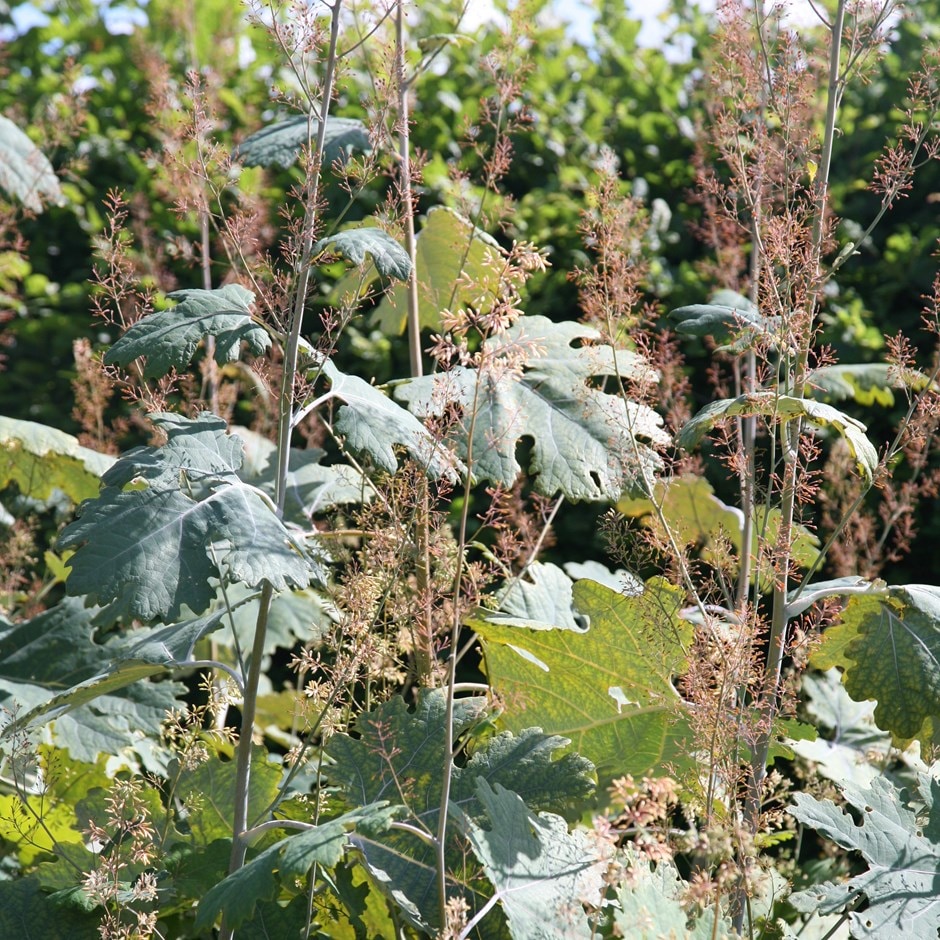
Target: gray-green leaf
x,y
541,872
280,144
902,882
25,172
729,316
148,551
168,339
389,257
373,424
587,443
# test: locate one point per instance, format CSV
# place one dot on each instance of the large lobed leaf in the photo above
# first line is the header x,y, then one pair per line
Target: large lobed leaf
x,y
41,460
373,424
389,258
586,443
543,875
772,405
456,265
311,487
888,644
280,144
168,339
607,688
25,172
902,882
148,551
398,756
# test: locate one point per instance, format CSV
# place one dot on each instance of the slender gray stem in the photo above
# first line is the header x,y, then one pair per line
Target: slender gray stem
x,y
285,425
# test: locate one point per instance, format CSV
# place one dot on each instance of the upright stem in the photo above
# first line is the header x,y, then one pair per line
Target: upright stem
x,y
790,434
285,423
424,634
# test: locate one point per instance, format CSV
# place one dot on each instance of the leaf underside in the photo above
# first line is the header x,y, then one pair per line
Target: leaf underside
x,y
25,172
902,883
770,404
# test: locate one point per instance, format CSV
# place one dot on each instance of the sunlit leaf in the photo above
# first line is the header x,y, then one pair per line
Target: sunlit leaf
x,y
541,873
587,443
888,643
608,688
770,405
367,769
852,749
902,882
650,905
870,383
389,258
25,172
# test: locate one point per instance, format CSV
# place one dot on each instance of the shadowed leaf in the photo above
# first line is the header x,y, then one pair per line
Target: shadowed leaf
x,y
280,144
168,339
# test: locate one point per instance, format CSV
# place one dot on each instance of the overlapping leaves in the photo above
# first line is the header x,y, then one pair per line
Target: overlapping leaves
x,y
398,756
373,424
171,520
455,267
541,873
902,883
289,859
587,443
54,664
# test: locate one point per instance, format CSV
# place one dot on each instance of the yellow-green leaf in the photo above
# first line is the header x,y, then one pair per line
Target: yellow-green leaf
x,y
607,688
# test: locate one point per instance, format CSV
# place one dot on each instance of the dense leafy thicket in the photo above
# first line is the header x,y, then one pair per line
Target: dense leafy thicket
x,y
459,483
